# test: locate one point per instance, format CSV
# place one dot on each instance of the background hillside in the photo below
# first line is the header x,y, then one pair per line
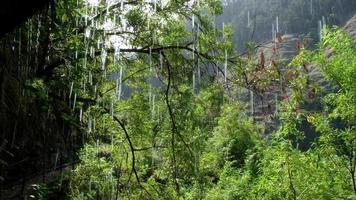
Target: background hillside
x,y
253,20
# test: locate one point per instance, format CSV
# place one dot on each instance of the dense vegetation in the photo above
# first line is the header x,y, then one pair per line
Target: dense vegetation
x,y
143,99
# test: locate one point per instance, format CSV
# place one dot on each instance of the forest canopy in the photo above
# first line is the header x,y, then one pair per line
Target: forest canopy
x,y
152,100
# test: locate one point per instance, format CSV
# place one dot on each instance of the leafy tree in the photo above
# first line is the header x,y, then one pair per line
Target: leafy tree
x,y
150,91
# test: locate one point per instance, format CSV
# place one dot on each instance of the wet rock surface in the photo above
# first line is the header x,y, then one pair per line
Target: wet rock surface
x,y
350,27
265,104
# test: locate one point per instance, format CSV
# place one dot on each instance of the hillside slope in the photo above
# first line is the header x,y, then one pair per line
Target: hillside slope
x,y
265,107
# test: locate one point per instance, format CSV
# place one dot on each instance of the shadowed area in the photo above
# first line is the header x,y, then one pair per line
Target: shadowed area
x,y
14,12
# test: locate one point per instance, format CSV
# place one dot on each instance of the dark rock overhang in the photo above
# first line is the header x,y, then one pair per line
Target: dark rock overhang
x,y
14,12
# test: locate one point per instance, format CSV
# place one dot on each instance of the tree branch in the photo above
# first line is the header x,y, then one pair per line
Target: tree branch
x,y
132,149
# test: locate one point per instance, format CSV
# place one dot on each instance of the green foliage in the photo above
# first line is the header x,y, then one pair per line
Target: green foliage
x,y
278,170
177,132
40,192
198,144
233,136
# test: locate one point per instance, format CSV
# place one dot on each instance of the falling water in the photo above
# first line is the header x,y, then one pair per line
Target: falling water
x,y
112,182
248,18
277,24
251,102
85,56
320,30
90,78
71,90
84,82
153,106
193,55
150,95
86,16
120,84
150,58
223,29
92,52
225,66
97,147
214,24
273,33
81,114
193,79
37,38
93,124
117,88
98,43
112,109
30,35
116,53
19,59
13,46
112,142
75,100
103,58
89,124
276,101
324,21
193,21
114,21
198,73
56,159
196,163
150,69
87,32
107,8
197,50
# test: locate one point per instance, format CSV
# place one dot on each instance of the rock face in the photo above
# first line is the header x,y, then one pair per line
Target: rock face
x,y
315,73
286,49
350,27
265,104
15,12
